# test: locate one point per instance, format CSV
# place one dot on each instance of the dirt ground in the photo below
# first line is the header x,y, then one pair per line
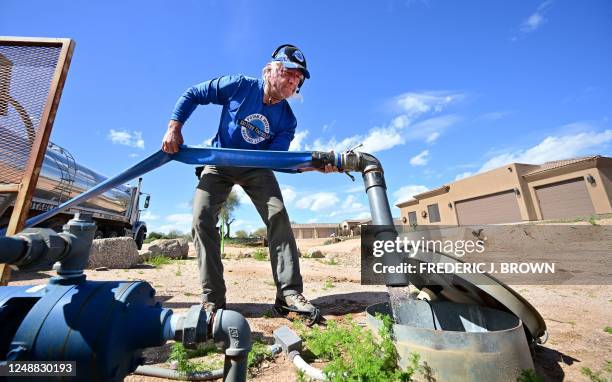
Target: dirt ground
x,y
576,315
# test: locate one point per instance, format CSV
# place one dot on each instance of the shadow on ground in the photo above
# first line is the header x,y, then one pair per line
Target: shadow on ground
x,y
547,363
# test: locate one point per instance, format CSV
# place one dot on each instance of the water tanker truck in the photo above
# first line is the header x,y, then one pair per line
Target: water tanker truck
x,y
115,212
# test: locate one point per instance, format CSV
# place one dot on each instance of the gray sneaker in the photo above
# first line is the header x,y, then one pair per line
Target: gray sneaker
x,y
297,303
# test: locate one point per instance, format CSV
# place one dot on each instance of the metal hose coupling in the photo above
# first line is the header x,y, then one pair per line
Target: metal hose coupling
x,y
347,161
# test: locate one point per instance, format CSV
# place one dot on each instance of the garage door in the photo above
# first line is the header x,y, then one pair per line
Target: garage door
x,y
307,233
490,209
565,199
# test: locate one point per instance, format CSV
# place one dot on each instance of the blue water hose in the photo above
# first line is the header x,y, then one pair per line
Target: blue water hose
x,y
285,161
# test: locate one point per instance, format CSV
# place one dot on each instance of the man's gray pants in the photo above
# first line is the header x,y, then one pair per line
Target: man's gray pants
x,y
261,186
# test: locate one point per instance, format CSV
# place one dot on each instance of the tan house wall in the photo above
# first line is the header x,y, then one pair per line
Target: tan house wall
x,y
313,232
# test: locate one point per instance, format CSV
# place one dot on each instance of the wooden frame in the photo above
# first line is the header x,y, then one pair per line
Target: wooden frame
x,y
39,147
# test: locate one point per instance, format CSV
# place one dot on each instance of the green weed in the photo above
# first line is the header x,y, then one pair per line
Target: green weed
x,y
529,375
185,366
592,220
301,376
608,329
178,271
258,354
604,375
332,261
354,354
260,255
158,261
329,283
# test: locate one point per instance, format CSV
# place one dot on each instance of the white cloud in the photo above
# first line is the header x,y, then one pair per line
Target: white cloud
x,y
399,129
363,215
180,222
289,194
185,205
424,129
463,175
328,126
148,216
333,144
553,148
352,203
536,19
318,201
126,138
532,22
350,206
415,104
431,138
354,189
380,139
420,159
246,225
408,192
296,143
133,155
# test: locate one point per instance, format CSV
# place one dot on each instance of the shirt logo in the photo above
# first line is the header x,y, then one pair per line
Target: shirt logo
x,y
255,128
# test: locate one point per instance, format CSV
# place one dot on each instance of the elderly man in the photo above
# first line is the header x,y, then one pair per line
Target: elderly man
x,y
255,116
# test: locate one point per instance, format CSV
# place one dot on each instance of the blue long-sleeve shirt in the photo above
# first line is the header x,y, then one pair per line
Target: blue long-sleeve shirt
x,y
246,122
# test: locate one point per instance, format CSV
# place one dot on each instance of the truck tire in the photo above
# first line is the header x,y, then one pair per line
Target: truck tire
x,y
140,237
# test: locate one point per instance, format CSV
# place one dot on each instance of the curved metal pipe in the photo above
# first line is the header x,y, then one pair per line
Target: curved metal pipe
x,y
233,330
376,189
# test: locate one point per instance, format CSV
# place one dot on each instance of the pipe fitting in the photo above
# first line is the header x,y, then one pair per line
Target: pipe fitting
x,y
357,161
191,329
40,246
79,234
233,330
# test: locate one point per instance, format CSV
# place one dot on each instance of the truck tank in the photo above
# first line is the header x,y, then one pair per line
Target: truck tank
x,y
61,178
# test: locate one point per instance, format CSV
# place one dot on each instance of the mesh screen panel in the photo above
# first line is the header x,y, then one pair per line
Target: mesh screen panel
x,y
26,73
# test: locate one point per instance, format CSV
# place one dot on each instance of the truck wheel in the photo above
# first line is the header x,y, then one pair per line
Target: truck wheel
x,y
140,237
99,235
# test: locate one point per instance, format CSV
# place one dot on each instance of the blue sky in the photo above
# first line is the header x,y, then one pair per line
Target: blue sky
x,y
437,90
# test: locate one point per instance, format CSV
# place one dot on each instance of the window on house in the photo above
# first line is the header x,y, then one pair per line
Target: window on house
x,y
434,213
412,218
